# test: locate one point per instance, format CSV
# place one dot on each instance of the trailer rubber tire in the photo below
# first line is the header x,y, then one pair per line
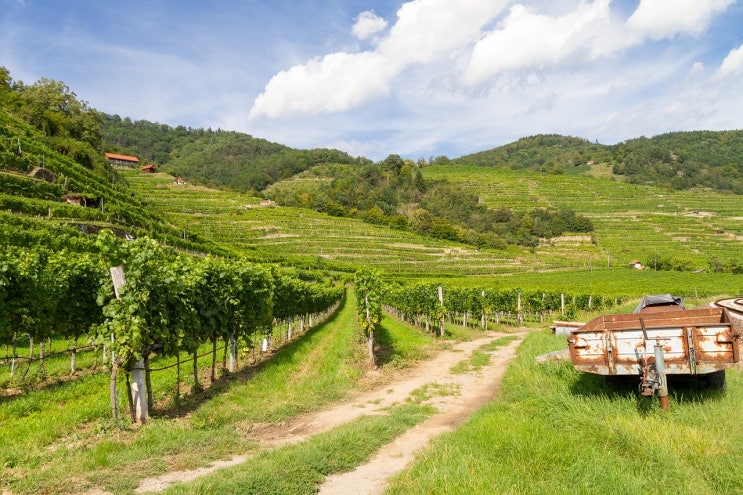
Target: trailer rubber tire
x,y
716,380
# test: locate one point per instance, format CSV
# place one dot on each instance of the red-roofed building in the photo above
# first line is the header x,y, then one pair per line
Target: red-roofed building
x,y
149,169
122,159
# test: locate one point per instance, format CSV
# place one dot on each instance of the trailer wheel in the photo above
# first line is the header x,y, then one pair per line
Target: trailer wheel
x,y
716,380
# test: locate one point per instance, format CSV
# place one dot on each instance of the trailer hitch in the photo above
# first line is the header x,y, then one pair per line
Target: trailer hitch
x,y
654,381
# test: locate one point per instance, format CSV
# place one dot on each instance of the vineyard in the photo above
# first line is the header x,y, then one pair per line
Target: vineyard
x,y
632,222
169,304
149,324
426,304
36,183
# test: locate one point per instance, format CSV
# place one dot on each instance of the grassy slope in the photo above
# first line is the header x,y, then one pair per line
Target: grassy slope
x,y
557,431
312,239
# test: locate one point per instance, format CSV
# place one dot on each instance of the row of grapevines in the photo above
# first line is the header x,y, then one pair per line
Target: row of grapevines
x,y
419,301
19,141
48,295
20,185
170,302
16,230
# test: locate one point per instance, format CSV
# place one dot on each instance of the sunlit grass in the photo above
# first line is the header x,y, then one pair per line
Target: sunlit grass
x,y
301,469
554,430
60,439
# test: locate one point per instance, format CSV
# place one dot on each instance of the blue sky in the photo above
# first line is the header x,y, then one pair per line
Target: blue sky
x,y
420,78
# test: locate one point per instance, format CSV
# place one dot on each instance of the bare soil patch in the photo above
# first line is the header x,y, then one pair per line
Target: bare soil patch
x,y
471,390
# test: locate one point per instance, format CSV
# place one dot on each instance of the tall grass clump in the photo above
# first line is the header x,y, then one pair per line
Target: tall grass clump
x,y
554,430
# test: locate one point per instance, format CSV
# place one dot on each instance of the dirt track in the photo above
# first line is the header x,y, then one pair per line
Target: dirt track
x,y
474,390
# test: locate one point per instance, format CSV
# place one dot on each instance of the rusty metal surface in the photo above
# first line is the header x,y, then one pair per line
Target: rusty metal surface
x,y
697,341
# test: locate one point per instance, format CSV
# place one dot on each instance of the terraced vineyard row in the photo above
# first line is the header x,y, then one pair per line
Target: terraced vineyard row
x,y
591,263
522,190
306,236
632,222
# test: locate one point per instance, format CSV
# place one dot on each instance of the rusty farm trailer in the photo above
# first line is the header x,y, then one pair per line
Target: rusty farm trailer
x,y
653,344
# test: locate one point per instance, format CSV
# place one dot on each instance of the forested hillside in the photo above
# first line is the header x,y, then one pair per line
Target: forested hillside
x,y
550,153
394,193
214,158
678,160
683,160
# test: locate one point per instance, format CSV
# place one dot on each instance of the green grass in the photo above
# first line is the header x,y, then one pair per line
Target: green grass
x,y
310,372
59,438
398,344
301,469
481,357
498,343
554,430
477,360
430,390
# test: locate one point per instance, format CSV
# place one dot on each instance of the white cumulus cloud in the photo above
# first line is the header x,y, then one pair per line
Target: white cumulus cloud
x,y
434,30
333,83
368,24
529,40
426,31
659,19
733,64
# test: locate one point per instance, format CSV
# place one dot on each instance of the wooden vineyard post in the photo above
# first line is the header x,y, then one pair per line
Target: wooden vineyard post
x,y
483,321
562,303
441,302
519,315
139,390
370,339
233,354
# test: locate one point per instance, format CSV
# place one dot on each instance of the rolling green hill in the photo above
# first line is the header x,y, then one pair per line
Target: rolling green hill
x,y
216,158
679,231
686,234
545,153
677,160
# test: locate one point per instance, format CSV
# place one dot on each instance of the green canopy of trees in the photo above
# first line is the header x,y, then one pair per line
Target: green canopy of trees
x,y
393,192
214,158
678,160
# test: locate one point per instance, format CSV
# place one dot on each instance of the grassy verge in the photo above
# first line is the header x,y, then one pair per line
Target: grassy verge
x,y
302,468
398,344
554,430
